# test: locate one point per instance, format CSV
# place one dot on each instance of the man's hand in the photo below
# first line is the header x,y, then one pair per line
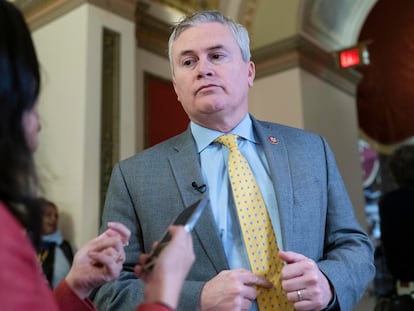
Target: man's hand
x,y
305,285
231,290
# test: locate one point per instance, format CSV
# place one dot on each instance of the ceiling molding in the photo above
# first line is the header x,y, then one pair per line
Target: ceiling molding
x,y
123,8
41,12
248,9
189,6
151,33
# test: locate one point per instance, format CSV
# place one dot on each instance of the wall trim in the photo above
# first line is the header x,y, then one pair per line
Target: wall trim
x,y
41,12
297,51
151,33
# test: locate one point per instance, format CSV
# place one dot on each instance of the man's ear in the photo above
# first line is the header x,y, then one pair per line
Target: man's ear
x,y
175,89
251,73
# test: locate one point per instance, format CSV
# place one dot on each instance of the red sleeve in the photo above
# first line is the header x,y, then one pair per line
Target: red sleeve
x,y
22,283
69,301
152,307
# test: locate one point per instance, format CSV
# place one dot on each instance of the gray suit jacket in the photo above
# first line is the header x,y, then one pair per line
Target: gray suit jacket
x,y
147,190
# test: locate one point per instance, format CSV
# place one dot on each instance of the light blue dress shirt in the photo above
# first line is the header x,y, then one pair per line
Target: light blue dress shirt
x,y
214,158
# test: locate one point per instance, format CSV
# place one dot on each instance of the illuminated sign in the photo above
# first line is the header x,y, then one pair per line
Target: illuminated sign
x,y
352,57
349,58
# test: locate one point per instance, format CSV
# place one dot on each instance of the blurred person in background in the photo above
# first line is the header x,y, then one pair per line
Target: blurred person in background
x,y
396,210
56,253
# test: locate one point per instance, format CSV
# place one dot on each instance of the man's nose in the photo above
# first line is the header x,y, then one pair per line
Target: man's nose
x,y
204,68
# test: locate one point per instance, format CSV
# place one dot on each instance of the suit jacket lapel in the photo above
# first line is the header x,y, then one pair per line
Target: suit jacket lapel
x,y
185,164
278,160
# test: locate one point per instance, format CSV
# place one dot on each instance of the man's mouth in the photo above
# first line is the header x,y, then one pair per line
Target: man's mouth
x,y
206,87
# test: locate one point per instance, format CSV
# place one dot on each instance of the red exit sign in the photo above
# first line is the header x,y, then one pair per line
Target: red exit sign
x,y
349,58
352,57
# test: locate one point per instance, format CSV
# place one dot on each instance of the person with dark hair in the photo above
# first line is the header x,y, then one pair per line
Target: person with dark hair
x,y
284,237
22,283
56,253
396,209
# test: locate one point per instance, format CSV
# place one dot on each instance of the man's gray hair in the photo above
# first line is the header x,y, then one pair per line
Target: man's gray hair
x,y
211,16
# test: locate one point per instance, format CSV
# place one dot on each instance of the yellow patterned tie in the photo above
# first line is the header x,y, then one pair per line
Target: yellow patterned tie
x,y
259,237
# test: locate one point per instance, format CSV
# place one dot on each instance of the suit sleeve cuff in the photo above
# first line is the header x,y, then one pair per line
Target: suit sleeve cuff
x,y
333,304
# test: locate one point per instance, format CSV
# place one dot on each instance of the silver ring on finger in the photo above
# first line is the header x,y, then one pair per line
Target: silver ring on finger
x,y
299,294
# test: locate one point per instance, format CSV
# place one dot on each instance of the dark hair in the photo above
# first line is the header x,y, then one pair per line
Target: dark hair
x,y
402,166
45,203
19,90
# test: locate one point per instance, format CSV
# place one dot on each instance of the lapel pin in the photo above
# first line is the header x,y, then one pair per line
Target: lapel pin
x,y
273,140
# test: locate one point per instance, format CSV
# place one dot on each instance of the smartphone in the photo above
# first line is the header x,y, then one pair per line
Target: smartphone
x,y
187,218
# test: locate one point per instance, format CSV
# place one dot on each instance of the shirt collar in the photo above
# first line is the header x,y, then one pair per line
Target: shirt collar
x,y
204,136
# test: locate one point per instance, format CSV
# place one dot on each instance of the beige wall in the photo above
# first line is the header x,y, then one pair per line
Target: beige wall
x,y
69,50
332,113
277,98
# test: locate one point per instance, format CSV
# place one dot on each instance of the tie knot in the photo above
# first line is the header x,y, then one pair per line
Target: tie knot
x,y
228,140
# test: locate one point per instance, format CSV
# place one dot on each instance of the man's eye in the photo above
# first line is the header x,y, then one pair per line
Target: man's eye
x,y
187,62
217,57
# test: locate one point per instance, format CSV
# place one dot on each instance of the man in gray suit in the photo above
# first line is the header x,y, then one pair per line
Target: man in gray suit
x,y
328,256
